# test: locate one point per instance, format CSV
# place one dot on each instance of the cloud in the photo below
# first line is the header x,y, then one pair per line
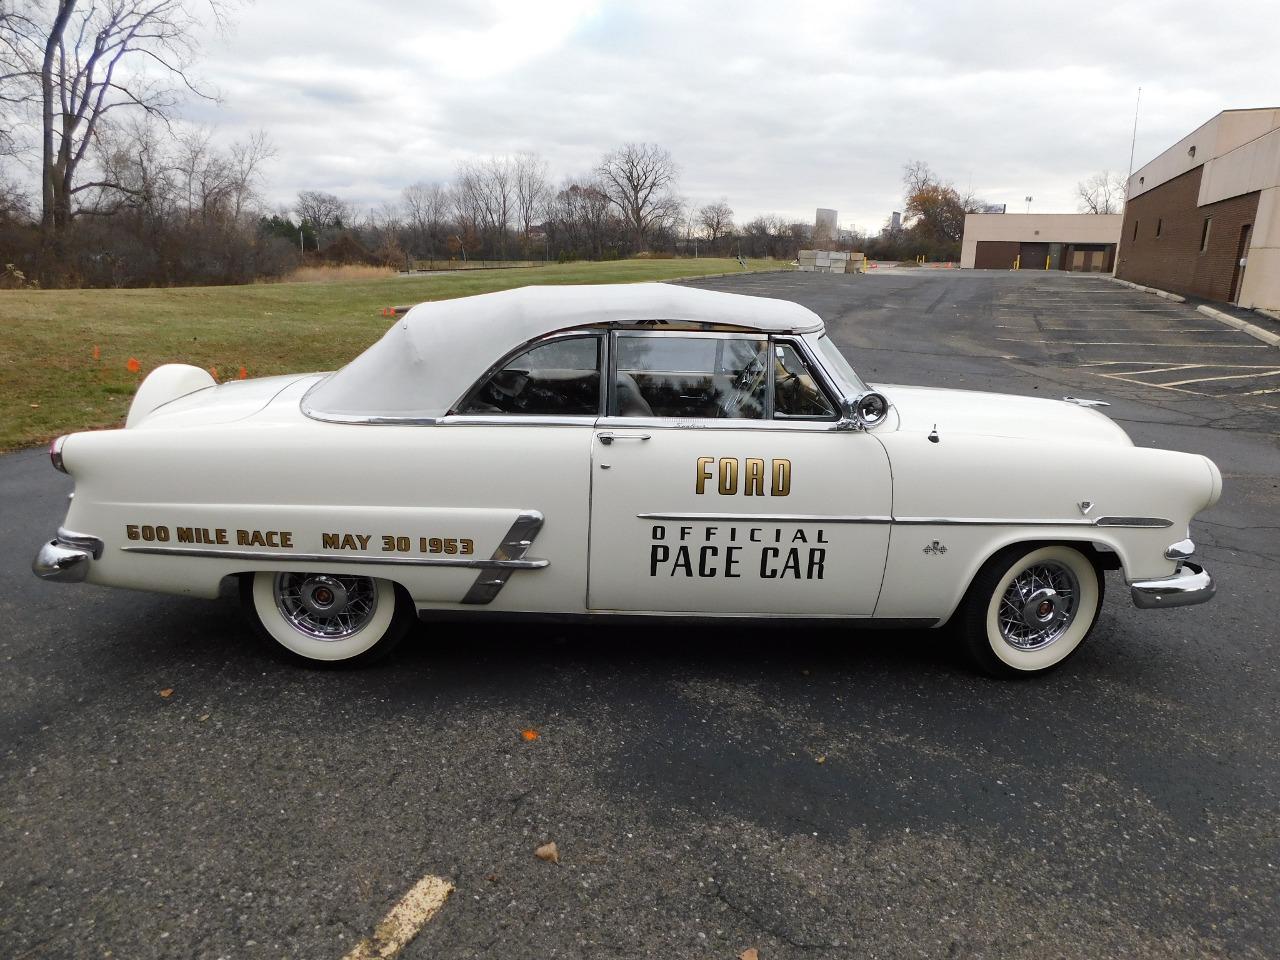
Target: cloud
x,y
779,109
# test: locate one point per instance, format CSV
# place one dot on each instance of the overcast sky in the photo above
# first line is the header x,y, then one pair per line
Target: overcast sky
x,y
778,111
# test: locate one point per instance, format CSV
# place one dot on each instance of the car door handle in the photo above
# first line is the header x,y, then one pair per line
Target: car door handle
x,y
607,438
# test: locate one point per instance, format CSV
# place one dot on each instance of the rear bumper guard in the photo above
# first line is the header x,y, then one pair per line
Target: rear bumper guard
x,y
66,558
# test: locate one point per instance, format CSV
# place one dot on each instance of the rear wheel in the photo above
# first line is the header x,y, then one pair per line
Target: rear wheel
x,y
1030,608
327,618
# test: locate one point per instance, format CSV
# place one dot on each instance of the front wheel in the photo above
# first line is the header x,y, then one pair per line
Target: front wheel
x,y
1029,609
325,618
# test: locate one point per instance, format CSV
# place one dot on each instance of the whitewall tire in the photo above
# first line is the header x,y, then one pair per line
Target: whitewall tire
x,y
1030,608
326,618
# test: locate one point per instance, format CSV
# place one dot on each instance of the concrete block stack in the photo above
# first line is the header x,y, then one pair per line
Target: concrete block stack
x,y
828,261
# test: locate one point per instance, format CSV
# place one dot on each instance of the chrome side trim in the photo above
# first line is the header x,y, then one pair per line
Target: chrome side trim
x,y
1190,584
330,558
764,518
1140,522
508,553
1153,522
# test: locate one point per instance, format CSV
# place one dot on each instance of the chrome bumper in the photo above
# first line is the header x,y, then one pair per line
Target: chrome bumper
x,y
1191,584
66,557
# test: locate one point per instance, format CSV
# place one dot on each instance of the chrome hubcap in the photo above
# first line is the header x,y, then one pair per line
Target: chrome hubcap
x,y
1038,606
325,607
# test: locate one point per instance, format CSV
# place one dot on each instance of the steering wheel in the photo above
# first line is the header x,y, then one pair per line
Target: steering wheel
x,y
748,382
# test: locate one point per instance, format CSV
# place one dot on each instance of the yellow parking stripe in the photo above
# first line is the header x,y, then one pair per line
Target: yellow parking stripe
x,y
403,921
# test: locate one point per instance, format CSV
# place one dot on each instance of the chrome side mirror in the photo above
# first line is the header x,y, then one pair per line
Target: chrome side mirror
x,y
864,411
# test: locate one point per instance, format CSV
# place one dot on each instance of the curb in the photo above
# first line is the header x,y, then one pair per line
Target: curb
x,y
1175,297
1253,330
712,276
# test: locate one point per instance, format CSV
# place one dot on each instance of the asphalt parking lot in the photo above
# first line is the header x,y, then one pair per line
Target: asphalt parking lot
x,y
806,793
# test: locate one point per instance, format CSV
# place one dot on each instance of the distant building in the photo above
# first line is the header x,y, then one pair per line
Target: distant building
x,y
824,225
1203,218
1040,241
895,221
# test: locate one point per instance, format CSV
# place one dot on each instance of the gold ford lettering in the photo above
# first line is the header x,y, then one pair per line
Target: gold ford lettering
x,y
732,476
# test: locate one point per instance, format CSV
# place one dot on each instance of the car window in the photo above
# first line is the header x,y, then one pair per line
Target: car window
x,y
836,361
673,375
796,393
560,378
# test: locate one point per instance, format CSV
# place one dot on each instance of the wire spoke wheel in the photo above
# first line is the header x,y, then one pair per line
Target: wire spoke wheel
x,y
326,607
328,617
1039,606
1030,608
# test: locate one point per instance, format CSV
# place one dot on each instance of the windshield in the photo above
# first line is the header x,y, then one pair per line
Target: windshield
x,y
835,363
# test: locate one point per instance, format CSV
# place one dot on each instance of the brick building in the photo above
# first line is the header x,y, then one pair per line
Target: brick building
x,y
1040,241
1203,218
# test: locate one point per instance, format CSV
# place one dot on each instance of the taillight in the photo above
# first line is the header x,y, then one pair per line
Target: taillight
x,y
55,454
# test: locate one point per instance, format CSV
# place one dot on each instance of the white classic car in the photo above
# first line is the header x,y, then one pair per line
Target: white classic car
x,y
648,450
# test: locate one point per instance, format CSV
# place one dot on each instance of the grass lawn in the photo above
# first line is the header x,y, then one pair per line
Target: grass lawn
x,y
51,384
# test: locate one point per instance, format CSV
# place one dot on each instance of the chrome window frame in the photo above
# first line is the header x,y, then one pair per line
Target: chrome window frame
x,y
819,375
611,387
600,334
606,332
770,420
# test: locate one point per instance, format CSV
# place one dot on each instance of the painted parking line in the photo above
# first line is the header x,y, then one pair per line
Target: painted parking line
x,y
1132,343
1233,376
1137,372
403,921
1128,329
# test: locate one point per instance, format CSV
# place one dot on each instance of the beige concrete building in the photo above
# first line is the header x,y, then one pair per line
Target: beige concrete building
x,y
1203,218
1040,241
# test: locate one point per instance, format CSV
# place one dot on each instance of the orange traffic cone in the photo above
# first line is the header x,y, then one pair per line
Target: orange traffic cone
x,y
133,366
244,374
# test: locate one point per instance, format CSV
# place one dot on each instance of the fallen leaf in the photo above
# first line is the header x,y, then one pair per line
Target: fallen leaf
x,y
167,692
530,735
751,953
203,717
35,406
492,878
549,852
821,759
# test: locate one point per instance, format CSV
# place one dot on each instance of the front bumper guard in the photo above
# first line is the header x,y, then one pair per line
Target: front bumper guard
x,y
1190,584
66,558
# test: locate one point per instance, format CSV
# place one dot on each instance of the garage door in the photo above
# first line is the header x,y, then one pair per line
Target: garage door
x,y
995,255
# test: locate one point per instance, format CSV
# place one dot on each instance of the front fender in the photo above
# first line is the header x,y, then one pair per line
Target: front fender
x,y
973,496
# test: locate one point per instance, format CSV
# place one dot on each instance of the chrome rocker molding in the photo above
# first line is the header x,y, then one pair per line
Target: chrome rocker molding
x,y
1191,584
66,558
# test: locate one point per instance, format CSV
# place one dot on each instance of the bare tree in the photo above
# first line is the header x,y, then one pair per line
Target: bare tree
x,y
426,209
532,190
716,220
324,211
640,180
1102,193
17,67
81,63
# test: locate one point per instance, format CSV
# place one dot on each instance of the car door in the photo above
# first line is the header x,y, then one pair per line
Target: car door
x,y
722,484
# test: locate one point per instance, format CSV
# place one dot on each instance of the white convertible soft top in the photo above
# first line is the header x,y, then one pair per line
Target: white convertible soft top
x,y
437,351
